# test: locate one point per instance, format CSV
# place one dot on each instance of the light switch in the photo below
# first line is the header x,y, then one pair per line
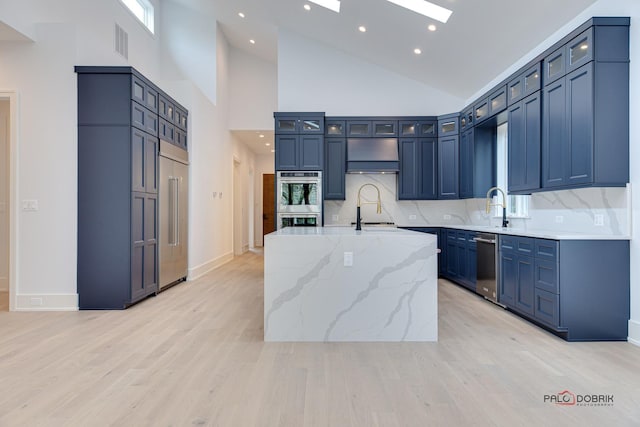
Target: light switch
x,y
30,205
598,220
348,259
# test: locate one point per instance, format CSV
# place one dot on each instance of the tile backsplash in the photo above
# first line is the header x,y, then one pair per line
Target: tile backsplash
x,y
568,210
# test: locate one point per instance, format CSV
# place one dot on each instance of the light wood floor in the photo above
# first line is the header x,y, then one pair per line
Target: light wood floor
x,y
4,301
194,356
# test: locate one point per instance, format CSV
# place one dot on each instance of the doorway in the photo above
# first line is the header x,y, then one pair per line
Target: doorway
x,y
7,238
268,204
237,208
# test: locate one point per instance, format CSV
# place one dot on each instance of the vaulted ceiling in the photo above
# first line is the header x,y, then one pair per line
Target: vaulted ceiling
x,y
481,39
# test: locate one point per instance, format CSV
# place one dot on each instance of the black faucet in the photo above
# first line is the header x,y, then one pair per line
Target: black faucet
x,y
378,203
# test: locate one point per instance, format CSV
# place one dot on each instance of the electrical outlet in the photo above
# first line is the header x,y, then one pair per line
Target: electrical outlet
x,y
215,194
598,220
30,205
37,302
559,219
348,259
447,216
412,217
221,194
335,217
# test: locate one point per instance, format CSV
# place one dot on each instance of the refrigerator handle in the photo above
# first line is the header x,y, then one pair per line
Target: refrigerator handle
x,y
176,225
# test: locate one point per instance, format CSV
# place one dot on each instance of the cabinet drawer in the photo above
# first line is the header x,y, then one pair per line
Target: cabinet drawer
x,y
522,245
461,236
546,308
547,249
546,276
451,234
144,119
144,94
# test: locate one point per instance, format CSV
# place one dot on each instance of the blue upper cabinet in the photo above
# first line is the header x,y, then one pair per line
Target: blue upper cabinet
x,y
359,128
299,141
466,119
408,174
448,164
335,128
418,176
497,101
384,128
449,124
418,128
466,163
585,113
525,125
335,168
524,84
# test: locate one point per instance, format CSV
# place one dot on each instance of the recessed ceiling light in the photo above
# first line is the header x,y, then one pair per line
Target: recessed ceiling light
x,y
329,4
307,7
362,29
417,51
241,15
273,151
267,144
252,41
425,8
432,27
261,136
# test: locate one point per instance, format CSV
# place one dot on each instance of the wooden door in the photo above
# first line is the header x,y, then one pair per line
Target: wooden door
x,y
268,203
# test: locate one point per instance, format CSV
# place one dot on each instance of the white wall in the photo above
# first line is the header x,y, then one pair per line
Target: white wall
x,y
315,77
629,8
68,33
4,195
264,164
253,84
244,206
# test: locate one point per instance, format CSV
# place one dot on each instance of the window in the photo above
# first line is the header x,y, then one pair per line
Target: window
x,y
143,10
517,206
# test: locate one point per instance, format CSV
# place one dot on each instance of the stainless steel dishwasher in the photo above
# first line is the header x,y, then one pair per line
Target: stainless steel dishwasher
x,y
487,268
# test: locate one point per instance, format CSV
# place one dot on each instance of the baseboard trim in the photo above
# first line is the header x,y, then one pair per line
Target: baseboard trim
x,y
634,332
4,284
202,269
245,248
47,302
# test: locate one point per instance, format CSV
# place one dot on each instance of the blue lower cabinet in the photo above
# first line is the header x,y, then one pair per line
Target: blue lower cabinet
x,y
525,284
578,289
547,307
508,278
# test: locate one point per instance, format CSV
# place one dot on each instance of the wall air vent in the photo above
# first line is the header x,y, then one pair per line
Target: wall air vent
x,y
122,42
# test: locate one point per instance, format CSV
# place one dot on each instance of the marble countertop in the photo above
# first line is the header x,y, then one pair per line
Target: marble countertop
x,y
342,231
542,234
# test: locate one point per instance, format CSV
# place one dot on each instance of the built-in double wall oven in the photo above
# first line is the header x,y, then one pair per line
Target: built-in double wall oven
x,y
299,199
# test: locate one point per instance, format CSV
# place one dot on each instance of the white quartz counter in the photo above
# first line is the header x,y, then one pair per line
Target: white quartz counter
x,y
338,284
542,234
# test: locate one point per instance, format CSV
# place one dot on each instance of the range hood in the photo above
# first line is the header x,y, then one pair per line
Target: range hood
x,y
372,155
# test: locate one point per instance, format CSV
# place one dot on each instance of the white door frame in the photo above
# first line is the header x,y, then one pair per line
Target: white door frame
x,y
12,97
237,208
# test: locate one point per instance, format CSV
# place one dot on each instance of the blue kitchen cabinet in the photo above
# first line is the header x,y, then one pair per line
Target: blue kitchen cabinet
x,y
335,128
448,164
451,271
119,112
461,252
359,128
497,101
449,124
427,168
458,261
525,124
299,141
508,278
418,128
578,289
408,174
335,168
287,152
417,178
524,84
467,155
585,113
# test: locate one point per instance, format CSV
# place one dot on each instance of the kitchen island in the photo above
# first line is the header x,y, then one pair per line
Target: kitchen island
x,y
338,284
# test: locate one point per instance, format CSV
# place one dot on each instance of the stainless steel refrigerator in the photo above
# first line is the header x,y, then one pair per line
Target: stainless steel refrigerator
x,y
173,200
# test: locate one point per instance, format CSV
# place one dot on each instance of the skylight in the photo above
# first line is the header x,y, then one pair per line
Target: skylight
x,y
329,4
425,8
143,10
